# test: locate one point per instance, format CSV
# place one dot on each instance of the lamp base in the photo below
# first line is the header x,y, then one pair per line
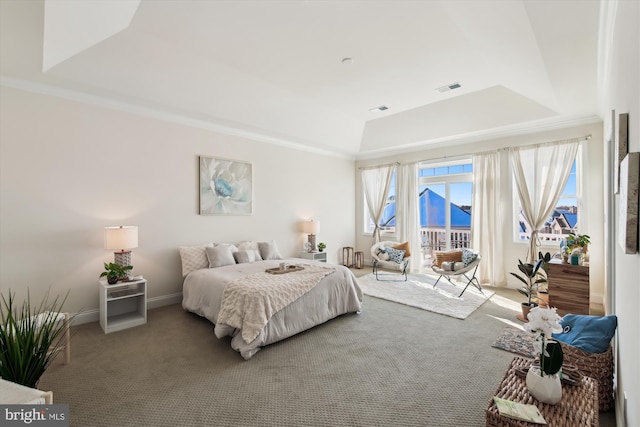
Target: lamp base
x,y
122,258
312,242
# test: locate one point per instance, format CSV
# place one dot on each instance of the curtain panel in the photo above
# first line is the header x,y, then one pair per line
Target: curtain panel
x,y
487,226
408,213
540,173
375,182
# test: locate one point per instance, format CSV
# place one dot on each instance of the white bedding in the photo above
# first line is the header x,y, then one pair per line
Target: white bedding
x,y
337,293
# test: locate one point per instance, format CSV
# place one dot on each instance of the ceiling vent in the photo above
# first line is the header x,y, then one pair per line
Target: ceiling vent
x,y
380,108
448,87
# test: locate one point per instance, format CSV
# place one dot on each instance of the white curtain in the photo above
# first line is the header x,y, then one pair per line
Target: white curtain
x,y
408,214
375,182
541,172
486,218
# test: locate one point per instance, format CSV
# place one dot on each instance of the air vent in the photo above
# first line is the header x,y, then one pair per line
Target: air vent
x,y
380,108
448,87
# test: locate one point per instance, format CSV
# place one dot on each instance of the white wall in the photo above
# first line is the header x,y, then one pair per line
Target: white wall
x,y
69,169
591,220
622,94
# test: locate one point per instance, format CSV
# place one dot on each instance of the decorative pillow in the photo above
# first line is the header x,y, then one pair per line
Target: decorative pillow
x,y
269,250
589,333
382,254
442,256
403,247
194,258
468,256
231,246
242,257
220,255
452,266
250,246
395,255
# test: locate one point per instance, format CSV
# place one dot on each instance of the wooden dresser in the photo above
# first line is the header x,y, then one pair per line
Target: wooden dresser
x,y
568,287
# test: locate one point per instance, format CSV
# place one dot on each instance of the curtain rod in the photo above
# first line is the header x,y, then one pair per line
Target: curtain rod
x,y
452,158
379,166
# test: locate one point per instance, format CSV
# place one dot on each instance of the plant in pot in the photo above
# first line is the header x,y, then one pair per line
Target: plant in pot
x,y
543,290
115,272
31,336
321,246
574,241
531,280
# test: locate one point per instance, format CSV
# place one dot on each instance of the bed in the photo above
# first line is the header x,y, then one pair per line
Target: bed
x,y
225,282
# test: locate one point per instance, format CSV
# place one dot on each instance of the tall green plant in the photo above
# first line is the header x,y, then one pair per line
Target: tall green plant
x,y
30,337
531,278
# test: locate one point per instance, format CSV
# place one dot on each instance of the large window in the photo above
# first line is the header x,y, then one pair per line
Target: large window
x,y
445,206
562,221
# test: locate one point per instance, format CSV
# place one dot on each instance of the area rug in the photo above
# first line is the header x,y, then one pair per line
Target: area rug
x,y
419,292
515,341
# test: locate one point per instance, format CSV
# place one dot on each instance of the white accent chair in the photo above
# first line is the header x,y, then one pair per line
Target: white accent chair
x,y
379,261
471,269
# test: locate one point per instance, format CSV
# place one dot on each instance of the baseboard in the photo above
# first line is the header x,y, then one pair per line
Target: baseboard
x,y
155,302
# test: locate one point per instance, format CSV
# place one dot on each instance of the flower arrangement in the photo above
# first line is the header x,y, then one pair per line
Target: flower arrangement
x,y
543,322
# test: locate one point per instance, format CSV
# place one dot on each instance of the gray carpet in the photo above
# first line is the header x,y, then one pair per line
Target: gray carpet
x,y
392,365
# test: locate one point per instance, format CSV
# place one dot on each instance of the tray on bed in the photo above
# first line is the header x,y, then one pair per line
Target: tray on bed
x,y
289,269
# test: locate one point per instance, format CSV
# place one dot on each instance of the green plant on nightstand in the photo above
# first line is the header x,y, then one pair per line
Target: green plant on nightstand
x,y
321,246
115,272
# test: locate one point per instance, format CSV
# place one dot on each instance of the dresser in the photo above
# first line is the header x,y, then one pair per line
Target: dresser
x,y
568,287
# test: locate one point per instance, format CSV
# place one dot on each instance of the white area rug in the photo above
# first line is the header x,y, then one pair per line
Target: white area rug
x,y
419,292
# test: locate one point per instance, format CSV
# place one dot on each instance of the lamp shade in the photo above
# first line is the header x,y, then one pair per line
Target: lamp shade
x,y
123,237
311,227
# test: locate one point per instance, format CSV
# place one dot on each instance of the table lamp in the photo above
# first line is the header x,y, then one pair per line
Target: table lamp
x,y
312,228
121,239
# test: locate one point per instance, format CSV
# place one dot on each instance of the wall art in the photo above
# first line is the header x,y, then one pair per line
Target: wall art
x,y
226,187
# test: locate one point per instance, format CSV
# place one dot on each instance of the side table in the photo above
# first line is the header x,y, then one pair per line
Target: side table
x,y
578,407
123,305
315,256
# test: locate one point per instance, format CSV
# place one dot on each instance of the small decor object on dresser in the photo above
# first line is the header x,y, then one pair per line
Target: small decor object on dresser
x,y
321,246
115,272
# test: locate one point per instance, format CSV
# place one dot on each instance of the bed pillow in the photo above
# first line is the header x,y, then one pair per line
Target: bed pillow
x,y
194,258
220,255
269,250
395,255
242,257
231,246
250,246
403,247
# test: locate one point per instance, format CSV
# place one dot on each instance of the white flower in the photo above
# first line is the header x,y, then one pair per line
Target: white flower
x,y
542,322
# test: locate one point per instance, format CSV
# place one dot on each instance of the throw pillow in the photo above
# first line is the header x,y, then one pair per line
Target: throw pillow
x,y
250,246
242,257
382,254
403,247
220,255
395,255
194,258
442,256
468,256
269,250
589,333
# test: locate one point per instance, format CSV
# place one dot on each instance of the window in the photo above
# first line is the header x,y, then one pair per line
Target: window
x,y
562,221
445,206
388,220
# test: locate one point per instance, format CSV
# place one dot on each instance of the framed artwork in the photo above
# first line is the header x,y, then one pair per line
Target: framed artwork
x,y
629,182
226,187
622,144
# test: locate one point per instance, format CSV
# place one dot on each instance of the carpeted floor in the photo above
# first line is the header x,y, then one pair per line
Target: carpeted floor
x,y
418,291
391,365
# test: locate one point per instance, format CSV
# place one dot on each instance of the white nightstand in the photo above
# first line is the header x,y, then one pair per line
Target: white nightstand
x,y
123,305
316,256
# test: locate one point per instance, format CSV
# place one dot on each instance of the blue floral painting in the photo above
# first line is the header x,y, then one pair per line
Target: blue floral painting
x,y
225,187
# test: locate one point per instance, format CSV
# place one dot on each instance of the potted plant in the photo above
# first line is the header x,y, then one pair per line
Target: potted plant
x,y
30,338
115,272
321,246
574,241
531,280
543,290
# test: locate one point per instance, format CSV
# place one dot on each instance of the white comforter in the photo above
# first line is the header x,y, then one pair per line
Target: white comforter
x,y
337,293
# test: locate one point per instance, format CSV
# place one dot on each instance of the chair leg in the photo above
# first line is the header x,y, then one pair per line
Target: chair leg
x,y
472,281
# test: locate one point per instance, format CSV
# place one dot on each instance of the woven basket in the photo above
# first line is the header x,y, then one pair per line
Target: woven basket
x,y
598,366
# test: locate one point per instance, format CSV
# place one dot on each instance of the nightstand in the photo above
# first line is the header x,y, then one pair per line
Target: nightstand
x,y
123,305
315,256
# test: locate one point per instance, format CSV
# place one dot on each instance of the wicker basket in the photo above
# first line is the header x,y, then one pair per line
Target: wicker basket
x,y
598,366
